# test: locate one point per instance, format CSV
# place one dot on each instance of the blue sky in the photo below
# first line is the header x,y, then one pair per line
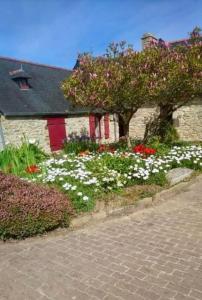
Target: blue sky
x,y
55,31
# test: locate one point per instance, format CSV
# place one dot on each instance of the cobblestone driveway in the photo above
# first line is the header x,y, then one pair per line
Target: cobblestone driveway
x,y
153,254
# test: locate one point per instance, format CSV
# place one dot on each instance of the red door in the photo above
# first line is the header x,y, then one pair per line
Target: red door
x,y
57,133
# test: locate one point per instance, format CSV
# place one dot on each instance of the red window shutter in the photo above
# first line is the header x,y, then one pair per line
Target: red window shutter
x,y
66,128
106,125
92,126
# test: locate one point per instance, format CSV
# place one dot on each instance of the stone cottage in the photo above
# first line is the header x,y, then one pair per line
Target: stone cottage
x,y
32,105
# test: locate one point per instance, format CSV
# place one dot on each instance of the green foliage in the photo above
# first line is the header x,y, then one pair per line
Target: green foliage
x,y
30,226
161,148
15,159
80,146
171,134
167,135
158,179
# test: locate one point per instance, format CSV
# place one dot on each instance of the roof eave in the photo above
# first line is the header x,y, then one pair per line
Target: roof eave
x,y
37,114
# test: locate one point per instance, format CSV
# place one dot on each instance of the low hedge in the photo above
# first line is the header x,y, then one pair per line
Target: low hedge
x,y
27,209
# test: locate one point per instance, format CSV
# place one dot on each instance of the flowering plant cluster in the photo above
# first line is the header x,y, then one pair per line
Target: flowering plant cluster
x,y
84,178
144,150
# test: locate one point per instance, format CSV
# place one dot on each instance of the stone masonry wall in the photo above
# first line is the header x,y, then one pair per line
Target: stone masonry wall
x,y
14,129
139,121
187,120
76,124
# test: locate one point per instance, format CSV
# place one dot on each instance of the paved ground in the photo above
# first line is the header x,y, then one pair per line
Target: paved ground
x,y
153,254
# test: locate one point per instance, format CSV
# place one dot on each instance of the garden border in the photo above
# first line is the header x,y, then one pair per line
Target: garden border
x,y
105,211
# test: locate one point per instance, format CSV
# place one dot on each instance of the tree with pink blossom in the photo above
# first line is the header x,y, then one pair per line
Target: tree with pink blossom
x,y
120,82
178,74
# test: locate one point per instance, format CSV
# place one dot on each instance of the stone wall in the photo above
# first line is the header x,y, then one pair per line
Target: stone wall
x,y
15,129
187,121
139,121
77,124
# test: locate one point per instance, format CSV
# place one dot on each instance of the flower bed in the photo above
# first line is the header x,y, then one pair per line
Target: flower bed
x,y
27,209
86,177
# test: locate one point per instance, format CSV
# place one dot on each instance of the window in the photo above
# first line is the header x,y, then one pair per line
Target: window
x,y
21,78
99,126
23,83
95,126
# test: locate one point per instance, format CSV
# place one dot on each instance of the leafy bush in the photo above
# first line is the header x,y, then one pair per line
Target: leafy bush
x,y
79,143
27,209
80,146
16,159
161,148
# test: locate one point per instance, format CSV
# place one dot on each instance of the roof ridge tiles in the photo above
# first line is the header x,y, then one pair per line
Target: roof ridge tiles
x,y
33,63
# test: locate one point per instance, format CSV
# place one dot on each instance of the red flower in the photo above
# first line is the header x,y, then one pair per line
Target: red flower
x,y
32,169
144,150
139,148
149,151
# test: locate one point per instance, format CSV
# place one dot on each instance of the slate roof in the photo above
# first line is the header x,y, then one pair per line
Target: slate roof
x,y
20,74
43,98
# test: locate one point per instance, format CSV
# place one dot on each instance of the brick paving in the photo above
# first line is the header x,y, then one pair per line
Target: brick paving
x,y
153,254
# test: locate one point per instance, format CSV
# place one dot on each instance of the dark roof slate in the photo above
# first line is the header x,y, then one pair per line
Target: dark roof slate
x,y
43,98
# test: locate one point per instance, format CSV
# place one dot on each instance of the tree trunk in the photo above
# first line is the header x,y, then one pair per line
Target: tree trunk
x,y
124,122
159,126
126,133
165,120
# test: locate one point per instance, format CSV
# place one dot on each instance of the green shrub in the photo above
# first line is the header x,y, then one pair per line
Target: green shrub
x,y
80,146
161,148
27,209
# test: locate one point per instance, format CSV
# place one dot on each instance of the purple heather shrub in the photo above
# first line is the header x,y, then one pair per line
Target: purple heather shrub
x,y
28,208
